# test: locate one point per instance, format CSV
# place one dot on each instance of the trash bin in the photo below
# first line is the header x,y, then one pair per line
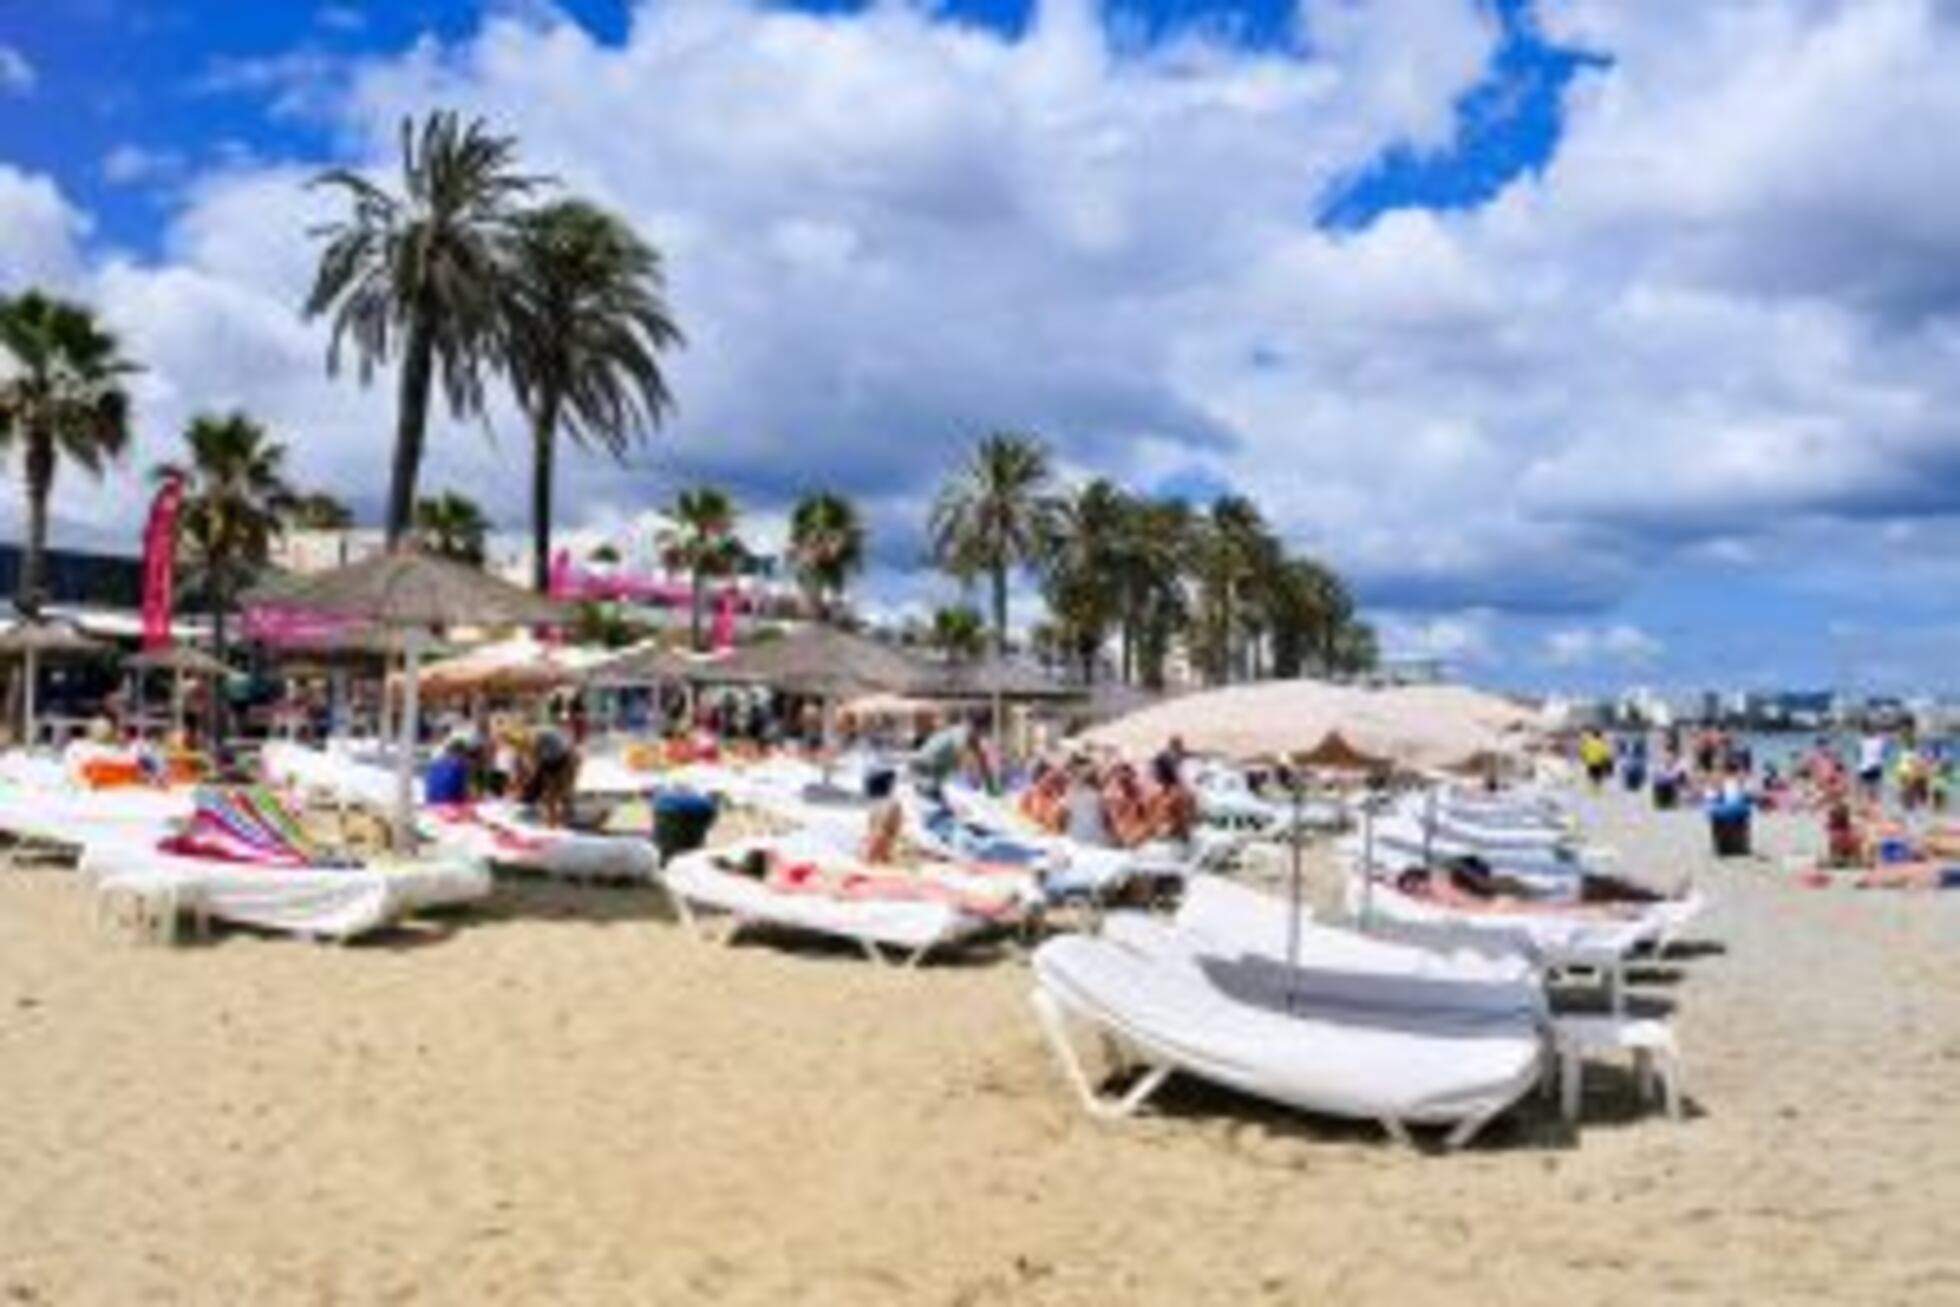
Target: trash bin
x,y
1667,792
1728,826
681,822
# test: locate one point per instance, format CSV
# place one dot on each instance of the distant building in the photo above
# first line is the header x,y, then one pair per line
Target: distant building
x,y
77,577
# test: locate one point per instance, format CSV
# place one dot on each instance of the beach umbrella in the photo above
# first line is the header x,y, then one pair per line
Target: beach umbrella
x,y
823,662
33,640
652,664
180,661
411,594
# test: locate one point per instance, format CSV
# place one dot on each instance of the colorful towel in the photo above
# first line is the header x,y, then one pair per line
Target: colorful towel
x,y
248,824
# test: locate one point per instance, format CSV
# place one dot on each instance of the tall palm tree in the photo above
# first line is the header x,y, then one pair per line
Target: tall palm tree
x,y
826,548
958,632
1154,555
587,319
1081,574
62,399
425,271
235,504
453,526
317,510
998,514
1235,553
703,544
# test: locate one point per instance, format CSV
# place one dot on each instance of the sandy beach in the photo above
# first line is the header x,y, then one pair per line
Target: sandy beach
x,y
563,1098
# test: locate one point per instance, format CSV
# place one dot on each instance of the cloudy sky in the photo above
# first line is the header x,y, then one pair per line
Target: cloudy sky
x,y
1598,342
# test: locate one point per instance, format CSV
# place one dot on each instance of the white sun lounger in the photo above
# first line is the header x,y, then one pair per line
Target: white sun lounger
x,y
910,928
545,850
323,903
1171,1012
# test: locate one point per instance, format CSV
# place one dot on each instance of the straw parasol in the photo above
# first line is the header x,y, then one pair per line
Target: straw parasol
x,y
652,664
34,639
990,678
180,660
411,593
823,662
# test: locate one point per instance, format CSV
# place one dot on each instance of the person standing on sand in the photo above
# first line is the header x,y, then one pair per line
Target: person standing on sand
x,y
1596,756
1871,764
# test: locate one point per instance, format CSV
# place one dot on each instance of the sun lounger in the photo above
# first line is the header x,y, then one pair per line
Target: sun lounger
x,y
1237,1026
911,927
335,903
502,835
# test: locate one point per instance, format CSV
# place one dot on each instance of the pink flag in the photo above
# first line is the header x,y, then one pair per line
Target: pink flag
x,y
159,562
724,634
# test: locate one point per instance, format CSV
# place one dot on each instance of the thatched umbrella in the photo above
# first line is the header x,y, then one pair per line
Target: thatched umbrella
x,y
991,678
653,664
180,660
823,662
34,639
411,594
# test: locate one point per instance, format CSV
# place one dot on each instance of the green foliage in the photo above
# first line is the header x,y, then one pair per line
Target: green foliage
x,y
826,548
452,526
62,400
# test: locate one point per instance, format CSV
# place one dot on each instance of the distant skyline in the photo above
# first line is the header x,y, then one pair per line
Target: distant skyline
x,y
1599,343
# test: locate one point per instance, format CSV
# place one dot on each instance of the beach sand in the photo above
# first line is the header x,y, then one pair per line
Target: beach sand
x,y
563,1099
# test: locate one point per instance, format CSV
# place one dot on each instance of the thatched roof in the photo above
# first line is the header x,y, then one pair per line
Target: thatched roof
x,y
408,589
43,638
823,662
181,658
988,677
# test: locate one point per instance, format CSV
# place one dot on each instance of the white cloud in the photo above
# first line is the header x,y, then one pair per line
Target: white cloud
x,y
17,74
40,232
133,165
1619,645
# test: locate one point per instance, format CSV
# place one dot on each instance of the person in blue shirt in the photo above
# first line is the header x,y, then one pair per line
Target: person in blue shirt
x,y
447,782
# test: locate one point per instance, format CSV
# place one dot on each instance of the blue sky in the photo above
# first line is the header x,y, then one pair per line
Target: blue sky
x,y
1599,346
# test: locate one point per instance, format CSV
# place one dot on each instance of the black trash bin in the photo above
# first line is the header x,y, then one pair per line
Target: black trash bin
x,y
681,822
1729,828
1667,792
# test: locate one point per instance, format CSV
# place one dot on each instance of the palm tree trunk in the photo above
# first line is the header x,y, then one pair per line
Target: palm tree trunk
x,y
1000,612
411,424
694,609
40,483
220,644
544,455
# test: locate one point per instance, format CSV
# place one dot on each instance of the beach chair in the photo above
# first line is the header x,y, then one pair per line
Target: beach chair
x,y
1165,1011
885,928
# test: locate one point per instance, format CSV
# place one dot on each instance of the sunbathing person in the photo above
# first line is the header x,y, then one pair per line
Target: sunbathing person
x,y
884,828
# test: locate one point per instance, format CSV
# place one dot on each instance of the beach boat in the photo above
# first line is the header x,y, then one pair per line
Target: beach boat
x,y
1243,1024
879,910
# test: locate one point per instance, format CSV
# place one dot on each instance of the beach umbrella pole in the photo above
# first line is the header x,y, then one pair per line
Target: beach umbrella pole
x,y
1429,826
1367,860
28,678
1293,916
405,754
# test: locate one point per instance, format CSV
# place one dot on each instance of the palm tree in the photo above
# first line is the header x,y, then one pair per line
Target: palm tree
x,y
63,399
959,633
452,526
998,514
1081,570
235,504
826,548
702,543
1235,554
426,271
317,510
587,319
1154,552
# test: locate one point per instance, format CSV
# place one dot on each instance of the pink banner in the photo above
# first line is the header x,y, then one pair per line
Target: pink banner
x,y
724,638
159,562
